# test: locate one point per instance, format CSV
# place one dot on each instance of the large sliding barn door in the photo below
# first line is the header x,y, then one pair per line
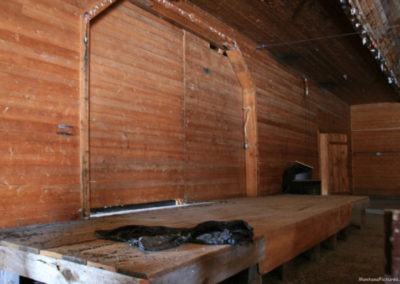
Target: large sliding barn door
x,y
136,108
334,163
166,118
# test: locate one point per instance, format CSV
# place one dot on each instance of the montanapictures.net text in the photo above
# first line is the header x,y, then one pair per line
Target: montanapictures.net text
x,y
378,279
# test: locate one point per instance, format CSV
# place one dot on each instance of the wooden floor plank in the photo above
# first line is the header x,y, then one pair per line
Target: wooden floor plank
x,y
284,226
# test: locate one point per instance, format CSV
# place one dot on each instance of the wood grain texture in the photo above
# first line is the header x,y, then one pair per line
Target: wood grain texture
x,y
280,24
84,113
289,121
39,111
385,116
166,113
156,137
215,165
376,149
286,119
136,108
250,130
52,271
284,226
334,163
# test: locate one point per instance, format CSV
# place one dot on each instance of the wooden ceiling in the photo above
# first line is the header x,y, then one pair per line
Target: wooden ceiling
x,y
317,38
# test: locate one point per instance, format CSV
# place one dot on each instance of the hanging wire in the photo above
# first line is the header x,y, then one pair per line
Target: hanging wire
x,y
264,46
246,141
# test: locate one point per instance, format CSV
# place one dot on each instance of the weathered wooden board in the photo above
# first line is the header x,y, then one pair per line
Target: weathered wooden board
x,y
289,224
57,271
39,112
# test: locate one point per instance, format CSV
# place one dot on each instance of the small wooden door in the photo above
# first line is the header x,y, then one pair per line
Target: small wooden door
x,y
334,163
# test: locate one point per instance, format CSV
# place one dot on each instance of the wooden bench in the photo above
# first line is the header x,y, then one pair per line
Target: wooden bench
x,y
69,252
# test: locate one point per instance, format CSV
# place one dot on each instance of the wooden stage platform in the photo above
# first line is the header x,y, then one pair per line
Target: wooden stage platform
x,y
69,252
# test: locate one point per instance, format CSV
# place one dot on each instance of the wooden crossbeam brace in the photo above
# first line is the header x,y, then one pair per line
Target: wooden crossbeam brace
x,y
250,119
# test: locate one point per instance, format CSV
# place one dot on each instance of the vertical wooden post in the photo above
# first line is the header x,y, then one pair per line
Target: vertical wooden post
x,y
84,115
392,243
250,120
84,103
324,163
330,243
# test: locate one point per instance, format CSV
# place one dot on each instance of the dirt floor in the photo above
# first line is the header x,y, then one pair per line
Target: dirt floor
x,y
357,259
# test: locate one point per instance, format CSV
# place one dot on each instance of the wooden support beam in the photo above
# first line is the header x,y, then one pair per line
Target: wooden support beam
x,y
358,213
250,120
392,243
330,243
313,254
50,270
84,114
287,271
343,234
84,99
250,275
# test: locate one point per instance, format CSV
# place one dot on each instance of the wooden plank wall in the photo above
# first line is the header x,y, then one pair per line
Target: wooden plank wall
x,y
215,166
39,113
166,113
39,65
136,108
289,121
376,148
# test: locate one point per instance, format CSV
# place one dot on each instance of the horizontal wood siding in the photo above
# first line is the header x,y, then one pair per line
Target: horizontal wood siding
x,y
136,108
215,166
39,65
154,133
157,133
289,120
376,148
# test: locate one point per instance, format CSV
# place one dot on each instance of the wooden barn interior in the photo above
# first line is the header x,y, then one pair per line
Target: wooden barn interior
x,y
177,112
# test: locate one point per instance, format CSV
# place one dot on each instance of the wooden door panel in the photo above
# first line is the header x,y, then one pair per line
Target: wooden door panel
x,y
339,182
334,159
